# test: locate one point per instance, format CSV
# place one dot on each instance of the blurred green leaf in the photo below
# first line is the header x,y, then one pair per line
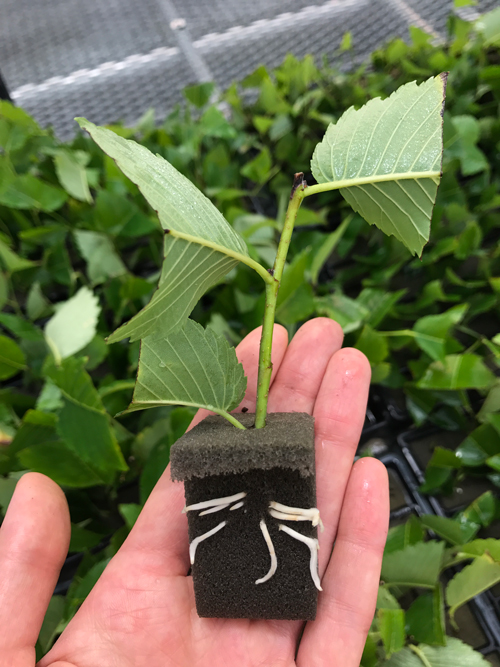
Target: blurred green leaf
x,y
27,191
12,358
12,262
349,313
74,324
481,574
200,94
457,371
425,619
326,249
433,331
392,629
452,531
479,445
454,653
257,170
102,260
400,537
295,298
70,170
416,565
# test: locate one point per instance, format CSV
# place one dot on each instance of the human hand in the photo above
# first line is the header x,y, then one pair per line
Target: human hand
x,y
141,613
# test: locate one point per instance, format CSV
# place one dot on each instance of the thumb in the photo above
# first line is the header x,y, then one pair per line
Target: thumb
x,y
34,539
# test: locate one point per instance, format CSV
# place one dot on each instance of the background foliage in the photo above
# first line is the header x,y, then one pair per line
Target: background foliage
x,y
80,253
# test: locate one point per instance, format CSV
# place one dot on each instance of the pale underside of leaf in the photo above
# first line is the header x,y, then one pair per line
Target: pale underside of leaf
x,y
454,654
385,159
192,366
189,270
200,245
179,203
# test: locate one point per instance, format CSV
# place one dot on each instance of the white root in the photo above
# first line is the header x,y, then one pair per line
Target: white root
x,y
272,553
197,540
313,545
279,511
237,506
217,508
216,501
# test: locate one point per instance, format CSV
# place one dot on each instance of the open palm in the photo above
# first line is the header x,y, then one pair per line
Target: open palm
x,y
141,613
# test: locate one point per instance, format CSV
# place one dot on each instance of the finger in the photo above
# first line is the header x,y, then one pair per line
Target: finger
x,y
34,540
339,414
162,528
347,603
248,354
302,370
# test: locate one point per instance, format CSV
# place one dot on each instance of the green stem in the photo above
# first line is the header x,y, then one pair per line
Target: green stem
x,y
420,654
266,342
231,419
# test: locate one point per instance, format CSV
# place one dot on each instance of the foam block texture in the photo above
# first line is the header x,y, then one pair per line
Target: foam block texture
x,y
228,563
216,447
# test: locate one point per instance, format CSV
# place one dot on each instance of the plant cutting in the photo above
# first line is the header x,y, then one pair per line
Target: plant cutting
x,y
250,479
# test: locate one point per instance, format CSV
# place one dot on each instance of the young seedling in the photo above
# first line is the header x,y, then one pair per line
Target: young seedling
x,y
385,159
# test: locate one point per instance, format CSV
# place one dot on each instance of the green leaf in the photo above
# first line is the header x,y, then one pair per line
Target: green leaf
x,y
74,324
82,539
489,26
200,94
12,359
326,249
490,547
433,331
391,624
12,262
51,623
39,448
425,619
257,170
4,290
295,298
399,537
453,654
100,255
373,344
59,462
457,371
481,574
452,531
386,600
346,42
130,513
37,428
72,175
83,423
479,445
193,367
482,510
200,246
36,304
386,160
350,314
88,433
379,303
415,565
26,191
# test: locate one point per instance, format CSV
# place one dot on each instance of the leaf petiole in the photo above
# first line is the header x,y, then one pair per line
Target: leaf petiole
x,y
367,180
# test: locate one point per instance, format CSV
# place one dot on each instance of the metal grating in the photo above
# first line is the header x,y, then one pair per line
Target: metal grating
x,y
113,60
